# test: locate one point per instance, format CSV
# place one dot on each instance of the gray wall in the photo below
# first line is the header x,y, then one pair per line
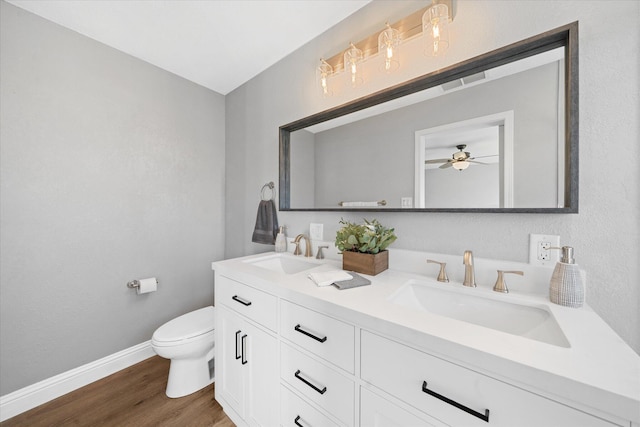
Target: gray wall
x,y
111,170
605,232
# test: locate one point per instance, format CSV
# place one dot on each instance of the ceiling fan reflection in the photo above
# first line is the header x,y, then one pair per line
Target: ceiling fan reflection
x,y
459,160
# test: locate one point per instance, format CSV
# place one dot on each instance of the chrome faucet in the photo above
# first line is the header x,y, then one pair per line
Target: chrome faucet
x,y
469,273
307,248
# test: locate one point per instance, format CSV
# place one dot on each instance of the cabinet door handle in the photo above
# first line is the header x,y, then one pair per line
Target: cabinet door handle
x,y
319,390
241,300
244,349
296,421
237,355
484,417
309,334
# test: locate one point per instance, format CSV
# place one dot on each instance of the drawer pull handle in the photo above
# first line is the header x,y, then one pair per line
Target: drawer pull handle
x,y
309,334
319,390
237,355
244,349
241,300
296,421
484,417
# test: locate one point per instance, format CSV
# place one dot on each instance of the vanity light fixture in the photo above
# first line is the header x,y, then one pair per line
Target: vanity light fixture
x,y
430,22
435,24
388,45
352,57
460,165
324,71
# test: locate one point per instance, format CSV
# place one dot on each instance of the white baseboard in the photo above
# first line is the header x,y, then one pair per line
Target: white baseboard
x,y
41,392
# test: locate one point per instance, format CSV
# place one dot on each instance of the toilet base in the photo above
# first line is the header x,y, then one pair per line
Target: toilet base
x,y
187,376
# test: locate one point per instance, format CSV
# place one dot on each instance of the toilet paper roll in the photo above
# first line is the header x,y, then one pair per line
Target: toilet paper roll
x,y
147,285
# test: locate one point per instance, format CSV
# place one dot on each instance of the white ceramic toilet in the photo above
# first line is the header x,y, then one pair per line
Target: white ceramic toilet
x,y
188,341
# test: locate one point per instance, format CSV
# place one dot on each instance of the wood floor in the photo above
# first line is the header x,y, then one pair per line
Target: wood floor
x,y
132,397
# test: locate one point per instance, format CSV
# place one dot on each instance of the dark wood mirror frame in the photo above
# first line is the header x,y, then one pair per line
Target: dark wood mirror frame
x,y
565,36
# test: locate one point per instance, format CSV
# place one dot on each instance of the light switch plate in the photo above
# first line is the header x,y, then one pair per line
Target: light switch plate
x,y
406,202
316,231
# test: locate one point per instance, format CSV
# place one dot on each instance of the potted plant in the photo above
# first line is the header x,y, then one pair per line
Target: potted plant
x,y
363,246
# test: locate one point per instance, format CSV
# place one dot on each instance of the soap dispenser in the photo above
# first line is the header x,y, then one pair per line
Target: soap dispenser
x,y
566,287
281,240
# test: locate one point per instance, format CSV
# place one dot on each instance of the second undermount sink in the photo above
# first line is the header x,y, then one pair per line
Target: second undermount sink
x,y
535,322
282,263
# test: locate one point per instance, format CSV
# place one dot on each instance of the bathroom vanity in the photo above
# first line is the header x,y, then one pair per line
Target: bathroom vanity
x,y
408,350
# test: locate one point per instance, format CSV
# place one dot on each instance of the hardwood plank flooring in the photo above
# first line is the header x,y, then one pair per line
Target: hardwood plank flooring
x,y
131,397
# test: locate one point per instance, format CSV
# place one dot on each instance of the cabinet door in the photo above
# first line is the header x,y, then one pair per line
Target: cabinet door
x,y
229,372
261,377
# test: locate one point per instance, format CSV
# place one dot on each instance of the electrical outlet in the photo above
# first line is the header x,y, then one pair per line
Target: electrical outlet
x,y
406,202
539,253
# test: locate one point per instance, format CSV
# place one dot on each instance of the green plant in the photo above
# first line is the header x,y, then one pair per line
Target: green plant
x,y
370,237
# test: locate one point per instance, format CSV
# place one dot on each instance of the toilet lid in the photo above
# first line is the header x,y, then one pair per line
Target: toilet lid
x,y
188,325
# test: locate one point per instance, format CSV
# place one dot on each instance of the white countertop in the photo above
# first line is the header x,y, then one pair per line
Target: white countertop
x,y
598,371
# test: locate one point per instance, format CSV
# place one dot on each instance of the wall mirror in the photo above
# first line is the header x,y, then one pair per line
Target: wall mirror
x,y
496,133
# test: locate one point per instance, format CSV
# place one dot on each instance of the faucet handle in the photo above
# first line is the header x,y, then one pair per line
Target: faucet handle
x,y
320,255
501,284
296,251
442,275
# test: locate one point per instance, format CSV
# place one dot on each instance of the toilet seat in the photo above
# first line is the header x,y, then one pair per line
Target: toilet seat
x,y
188,327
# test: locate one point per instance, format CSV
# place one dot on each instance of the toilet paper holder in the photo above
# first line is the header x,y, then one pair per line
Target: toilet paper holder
x,y
136,284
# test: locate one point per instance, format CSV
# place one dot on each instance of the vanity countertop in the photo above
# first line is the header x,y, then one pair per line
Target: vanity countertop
x,y
599,370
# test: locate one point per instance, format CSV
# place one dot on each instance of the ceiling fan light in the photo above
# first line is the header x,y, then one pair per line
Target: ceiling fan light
x,y
461,165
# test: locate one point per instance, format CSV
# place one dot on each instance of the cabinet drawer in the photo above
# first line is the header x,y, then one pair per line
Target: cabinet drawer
x,y
318,383
376,411
321,335
250,302
295,412
403,372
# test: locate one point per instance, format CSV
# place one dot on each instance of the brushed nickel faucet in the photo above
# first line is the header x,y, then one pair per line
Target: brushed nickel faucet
x,y
320,255
442,275
469,273
501,284
307,248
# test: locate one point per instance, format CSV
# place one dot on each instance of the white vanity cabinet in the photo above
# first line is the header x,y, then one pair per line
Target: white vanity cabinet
x,y
376,411
456,395
316,359
246,355
289,353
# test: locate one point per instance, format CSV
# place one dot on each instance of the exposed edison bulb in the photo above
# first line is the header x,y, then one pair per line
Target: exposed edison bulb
x,y
352,57
388,42
324,71
436,30
435,23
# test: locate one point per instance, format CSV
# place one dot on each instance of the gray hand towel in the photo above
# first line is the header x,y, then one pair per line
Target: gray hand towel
x,y
357,280
266,227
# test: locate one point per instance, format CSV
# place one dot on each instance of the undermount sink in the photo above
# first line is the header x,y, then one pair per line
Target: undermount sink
x,y
281,263
528,321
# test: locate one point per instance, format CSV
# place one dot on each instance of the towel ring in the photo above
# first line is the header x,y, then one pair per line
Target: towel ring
x,y
268,186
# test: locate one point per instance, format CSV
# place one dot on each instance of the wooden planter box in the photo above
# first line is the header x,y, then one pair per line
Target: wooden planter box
x,y
370,264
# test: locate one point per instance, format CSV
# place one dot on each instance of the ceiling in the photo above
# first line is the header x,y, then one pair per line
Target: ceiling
x,y
219,44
